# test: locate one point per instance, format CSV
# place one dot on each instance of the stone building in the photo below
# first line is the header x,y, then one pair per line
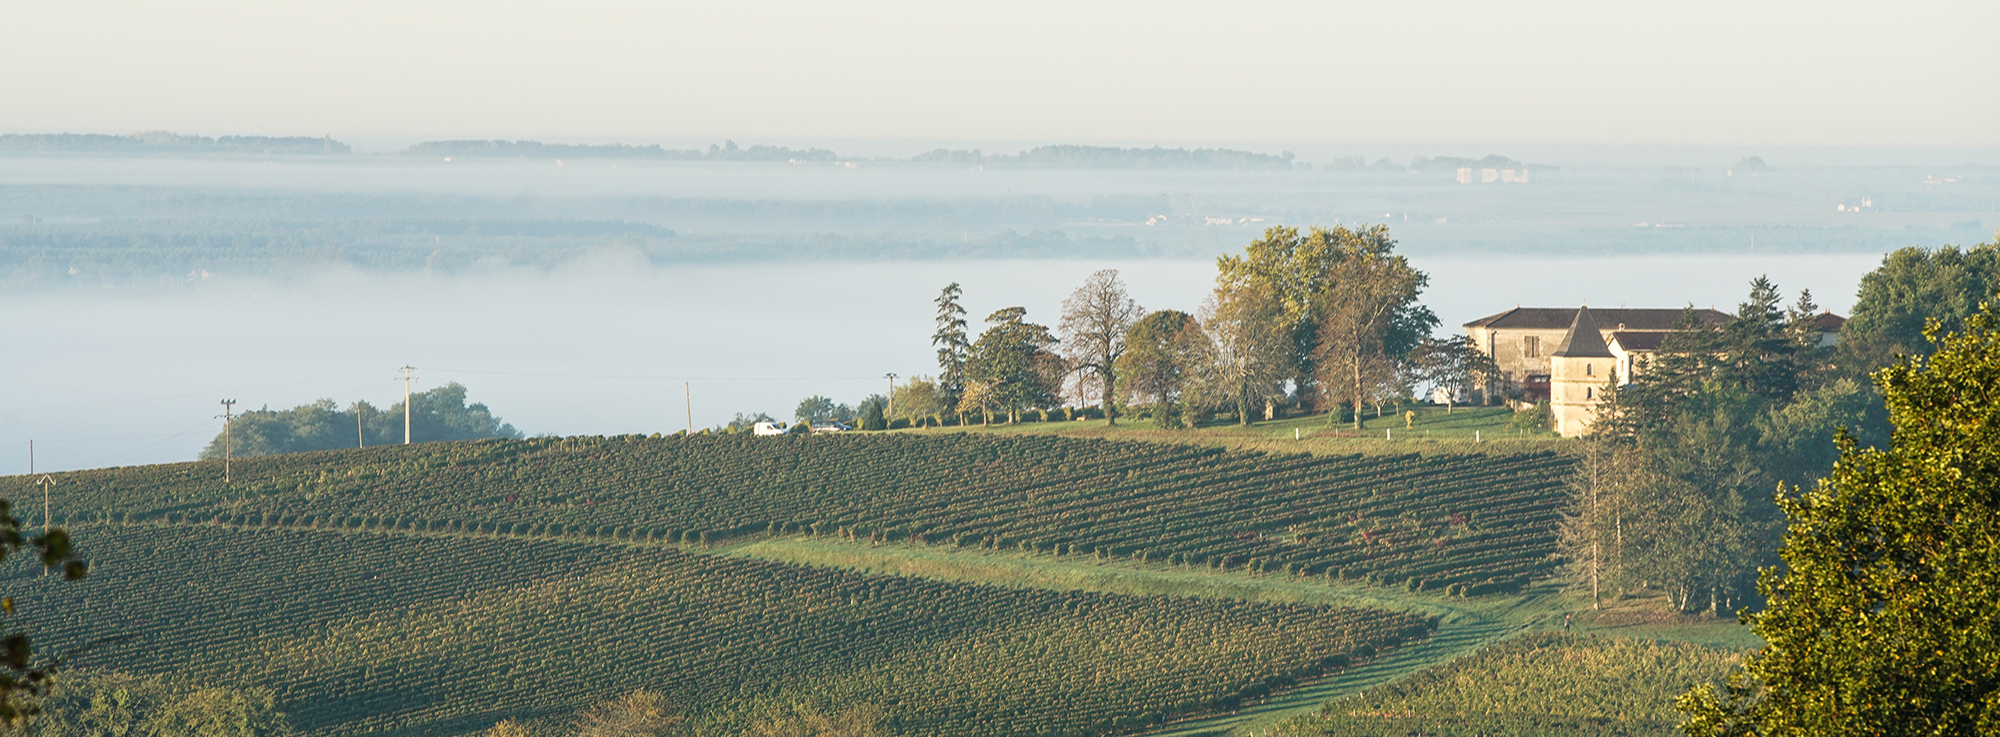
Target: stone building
x,y
1524,339
1588,358
1581,366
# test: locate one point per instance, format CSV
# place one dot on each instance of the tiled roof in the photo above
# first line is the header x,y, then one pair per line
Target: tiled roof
x,y
1583,340
1827,322
1639,340
1557,318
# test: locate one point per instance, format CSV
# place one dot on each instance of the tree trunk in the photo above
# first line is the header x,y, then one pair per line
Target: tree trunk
x,y
1357,389
1596,597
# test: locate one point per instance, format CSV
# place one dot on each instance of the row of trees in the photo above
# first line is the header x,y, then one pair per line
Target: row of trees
x,y
1305,320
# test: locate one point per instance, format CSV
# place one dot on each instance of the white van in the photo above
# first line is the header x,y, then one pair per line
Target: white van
x,y
768,427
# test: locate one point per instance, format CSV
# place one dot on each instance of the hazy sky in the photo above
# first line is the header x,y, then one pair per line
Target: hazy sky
x,y
1918,73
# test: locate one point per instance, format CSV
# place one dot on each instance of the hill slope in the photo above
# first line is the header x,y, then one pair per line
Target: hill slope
x,y
406,633
1461,523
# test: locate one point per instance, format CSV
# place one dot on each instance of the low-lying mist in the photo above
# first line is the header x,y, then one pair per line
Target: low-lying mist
x,y
616,344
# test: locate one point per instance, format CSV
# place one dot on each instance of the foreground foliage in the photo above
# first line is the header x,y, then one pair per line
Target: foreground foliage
x,y
1537,685
1884,619
1461,524
421,634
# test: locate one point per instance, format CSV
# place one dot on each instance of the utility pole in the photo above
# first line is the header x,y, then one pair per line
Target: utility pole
x,y
46,482
31,458
406,401
687,395
227,439
360,440
889,403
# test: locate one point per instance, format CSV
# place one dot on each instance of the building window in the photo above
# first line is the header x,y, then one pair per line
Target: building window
x,y
1587,393
1531,346
1587,368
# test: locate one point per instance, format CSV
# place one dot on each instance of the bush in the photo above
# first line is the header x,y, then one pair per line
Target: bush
x,y
1538,418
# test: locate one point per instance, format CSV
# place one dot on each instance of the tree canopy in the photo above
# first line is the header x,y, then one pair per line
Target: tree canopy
x,y
1012,366
1094,322
1913,286
436,415
1885,618
1341,297
1160,362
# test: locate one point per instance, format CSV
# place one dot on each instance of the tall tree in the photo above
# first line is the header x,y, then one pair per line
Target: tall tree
x,y
951,344
1095,320
1299,271
1162,351
917,399
1592,529
1885,618
1370,319
1013,365
1250,350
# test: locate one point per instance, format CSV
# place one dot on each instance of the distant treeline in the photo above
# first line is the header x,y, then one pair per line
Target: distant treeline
x,y
163,142
185,254
728,151
1107,157
437,415
1040,157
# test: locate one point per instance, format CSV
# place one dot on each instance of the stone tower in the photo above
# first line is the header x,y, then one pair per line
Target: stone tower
x,y
1578,370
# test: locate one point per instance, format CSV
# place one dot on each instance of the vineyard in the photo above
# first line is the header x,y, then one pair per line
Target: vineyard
x,y
419,634
1463,525
1539,685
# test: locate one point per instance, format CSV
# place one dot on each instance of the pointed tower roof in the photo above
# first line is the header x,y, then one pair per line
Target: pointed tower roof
x,y
1583,339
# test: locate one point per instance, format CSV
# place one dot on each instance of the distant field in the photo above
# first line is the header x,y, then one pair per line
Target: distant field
x,y
1539,685
1455,523
403,633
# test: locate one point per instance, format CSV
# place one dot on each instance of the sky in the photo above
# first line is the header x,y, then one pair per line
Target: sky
x,y
1909,74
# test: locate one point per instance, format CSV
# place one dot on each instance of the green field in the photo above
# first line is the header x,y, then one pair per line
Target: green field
x,y
1463,524
418,634
955,582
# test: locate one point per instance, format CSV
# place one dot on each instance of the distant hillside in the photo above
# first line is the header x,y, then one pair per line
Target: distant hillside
x,y
727,151
1105,157
163,142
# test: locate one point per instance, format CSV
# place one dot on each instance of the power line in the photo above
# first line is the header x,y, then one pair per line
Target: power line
x,y
656,378
176,396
